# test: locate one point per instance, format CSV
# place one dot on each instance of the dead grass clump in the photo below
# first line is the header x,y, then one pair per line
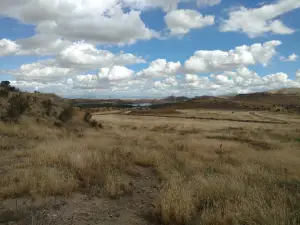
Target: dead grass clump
x,y
84,163
163,128
256,206
48,105
224,200
4,93
177,202
29,130
38,182
147,157
116,184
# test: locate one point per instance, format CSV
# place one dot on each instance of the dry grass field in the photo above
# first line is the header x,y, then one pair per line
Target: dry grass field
x,y
153,170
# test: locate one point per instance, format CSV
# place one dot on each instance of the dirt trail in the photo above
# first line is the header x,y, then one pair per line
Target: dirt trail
x,y
211,118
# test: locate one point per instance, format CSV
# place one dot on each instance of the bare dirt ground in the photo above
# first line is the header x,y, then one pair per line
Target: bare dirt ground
x,y
228,168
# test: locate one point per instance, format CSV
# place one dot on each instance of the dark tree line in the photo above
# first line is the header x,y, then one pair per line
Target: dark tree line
x,y
6,86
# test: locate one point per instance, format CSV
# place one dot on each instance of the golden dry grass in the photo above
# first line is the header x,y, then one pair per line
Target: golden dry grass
x,y
211,172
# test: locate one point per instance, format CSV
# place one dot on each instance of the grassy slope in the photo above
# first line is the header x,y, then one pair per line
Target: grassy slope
x,y
200,172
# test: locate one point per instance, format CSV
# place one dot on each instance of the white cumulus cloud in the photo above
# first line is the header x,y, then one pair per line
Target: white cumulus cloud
x,y
298,75
41,71
166,5
291,58
41,45
258,21
108,78
50,87
247,81
196,82
208,2
8,47
169,82
183,20
93,21
160,68
86,56
115,73
209,61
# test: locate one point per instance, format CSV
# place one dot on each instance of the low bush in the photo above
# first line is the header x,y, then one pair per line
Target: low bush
x,y
4,93
48,105
58,123
94,123
87,116
66,114
17,105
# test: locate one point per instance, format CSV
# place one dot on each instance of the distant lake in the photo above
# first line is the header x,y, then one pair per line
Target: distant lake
x,y
117,105
141,104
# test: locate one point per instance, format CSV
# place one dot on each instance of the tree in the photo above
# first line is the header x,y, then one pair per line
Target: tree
x,y
7,87
5,84
18,105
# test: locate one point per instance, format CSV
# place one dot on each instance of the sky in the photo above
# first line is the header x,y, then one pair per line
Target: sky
x,y
149,48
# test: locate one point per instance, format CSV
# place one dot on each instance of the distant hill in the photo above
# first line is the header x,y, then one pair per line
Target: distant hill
x,y
294,91
283,100
176,99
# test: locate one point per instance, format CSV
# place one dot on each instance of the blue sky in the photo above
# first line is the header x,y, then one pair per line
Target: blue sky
x,y
139,48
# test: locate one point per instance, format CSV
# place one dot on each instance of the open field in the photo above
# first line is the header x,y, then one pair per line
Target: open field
x,y
154,170
209,114
282,101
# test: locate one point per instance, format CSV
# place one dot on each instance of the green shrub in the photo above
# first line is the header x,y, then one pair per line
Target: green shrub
x,y
17,105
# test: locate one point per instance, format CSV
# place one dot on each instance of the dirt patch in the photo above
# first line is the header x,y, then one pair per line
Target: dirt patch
x,y
205,118
164,111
